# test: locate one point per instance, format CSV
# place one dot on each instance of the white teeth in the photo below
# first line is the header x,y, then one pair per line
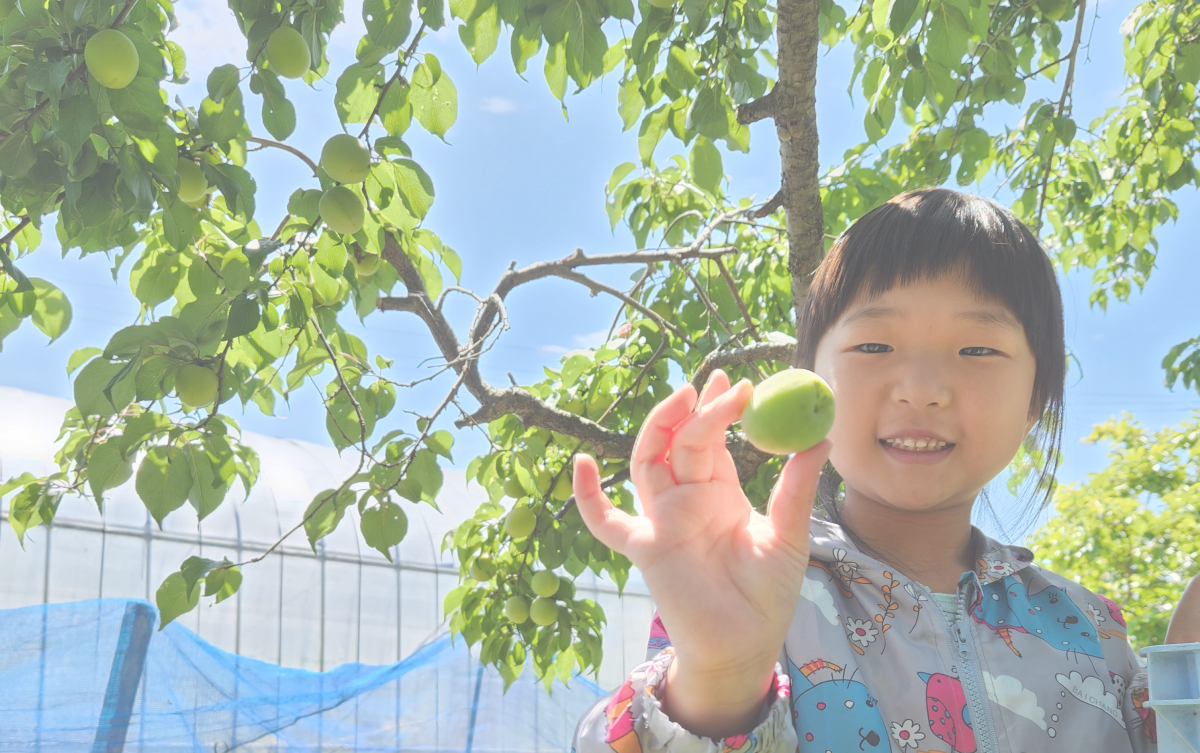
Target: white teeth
x,y
917,445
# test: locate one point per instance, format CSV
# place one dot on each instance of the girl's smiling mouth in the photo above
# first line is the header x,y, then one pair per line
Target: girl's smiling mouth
x,y
921,449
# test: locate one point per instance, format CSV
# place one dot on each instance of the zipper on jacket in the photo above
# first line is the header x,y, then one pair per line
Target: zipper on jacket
x,y
971,675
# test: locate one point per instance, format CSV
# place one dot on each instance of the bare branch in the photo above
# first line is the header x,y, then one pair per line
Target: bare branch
x,y
737,296
722,359
531,410
285,147
772,204
759,109
598,287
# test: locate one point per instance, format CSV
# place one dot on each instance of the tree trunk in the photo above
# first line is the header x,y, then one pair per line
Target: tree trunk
x,y
795,111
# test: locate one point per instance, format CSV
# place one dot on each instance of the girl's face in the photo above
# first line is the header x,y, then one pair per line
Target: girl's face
x,y
921,365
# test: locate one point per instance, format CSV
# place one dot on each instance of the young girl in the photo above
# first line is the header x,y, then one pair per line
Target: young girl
x,y
885,621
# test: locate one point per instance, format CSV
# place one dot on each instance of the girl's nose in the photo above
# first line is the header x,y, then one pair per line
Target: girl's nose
x,y
921,386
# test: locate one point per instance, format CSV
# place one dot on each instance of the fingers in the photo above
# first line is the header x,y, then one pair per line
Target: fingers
x,y
698,451
609,525
648,468
792,500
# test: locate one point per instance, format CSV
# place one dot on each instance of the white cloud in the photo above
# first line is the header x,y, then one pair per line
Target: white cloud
x,y
1091,691
582,342
498,106
345,35
554,349
1008,692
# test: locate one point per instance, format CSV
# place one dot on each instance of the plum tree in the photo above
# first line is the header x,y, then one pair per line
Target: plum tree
x,y
196,385
790,411
365,265
287,53
346,159
342,210
111,58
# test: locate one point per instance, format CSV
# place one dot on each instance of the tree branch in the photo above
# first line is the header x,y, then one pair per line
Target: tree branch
x,y
759,109
723,359
287,148
532,411
1062,105
772,204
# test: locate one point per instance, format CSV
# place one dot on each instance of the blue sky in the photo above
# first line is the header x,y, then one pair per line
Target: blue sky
x,y
517,182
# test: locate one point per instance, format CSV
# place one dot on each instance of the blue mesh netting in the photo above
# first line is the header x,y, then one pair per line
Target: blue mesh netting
x,y
58,681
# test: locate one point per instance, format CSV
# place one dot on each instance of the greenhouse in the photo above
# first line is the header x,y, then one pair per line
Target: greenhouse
x,y
333,617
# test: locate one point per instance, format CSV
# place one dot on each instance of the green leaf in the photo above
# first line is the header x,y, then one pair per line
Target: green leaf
x,y
52,312
194,569
17,155
80,357
707,114
244,315
357,93
106,468
395,112
384,526
415,187
654,126
523,45
94,379
164,480
222,81
555,69
681,68
139,106
706,166
433,13
278,112
209,487
223,582
222,121
427,473
433,97
173,599
481,34
77,117
388,22
324,513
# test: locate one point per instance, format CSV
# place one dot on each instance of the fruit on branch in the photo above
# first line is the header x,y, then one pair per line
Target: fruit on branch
x,y
482,568
544,611
513,488
545,583
111,58
789,412
562,488
342,210
287,53
196,385
193,185
520,522
346,159
1055,10
516,608
365,265
343,288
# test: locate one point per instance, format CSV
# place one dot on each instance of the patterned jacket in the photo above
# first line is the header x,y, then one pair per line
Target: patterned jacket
x,y
1032,662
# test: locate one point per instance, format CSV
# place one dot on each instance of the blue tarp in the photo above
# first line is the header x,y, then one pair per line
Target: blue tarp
x,y
70,680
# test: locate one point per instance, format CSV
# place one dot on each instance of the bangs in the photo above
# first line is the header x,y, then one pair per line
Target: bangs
x,y
924,235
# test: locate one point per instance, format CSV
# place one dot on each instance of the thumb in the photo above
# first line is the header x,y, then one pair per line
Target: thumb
x,y
610,526
791,502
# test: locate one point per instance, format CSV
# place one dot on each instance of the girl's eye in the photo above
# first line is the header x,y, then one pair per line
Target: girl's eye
x,y
965,352
873,348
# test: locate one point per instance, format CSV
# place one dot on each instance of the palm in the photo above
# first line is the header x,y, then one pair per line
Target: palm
x,y
715,567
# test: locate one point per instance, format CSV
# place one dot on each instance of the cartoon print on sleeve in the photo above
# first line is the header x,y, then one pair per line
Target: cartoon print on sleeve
x,y
917,605
844,571
835,714
1005,606
619,733
1115,613
949,714
1149,722
862,633
658,635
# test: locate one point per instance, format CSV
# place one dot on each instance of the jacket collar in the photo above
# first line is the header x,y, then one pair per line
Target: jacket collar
x,y
832,548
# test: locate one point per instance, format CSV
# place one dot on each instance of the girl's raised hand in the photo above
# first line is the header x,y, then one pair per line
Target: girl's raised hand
x,y
725,578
